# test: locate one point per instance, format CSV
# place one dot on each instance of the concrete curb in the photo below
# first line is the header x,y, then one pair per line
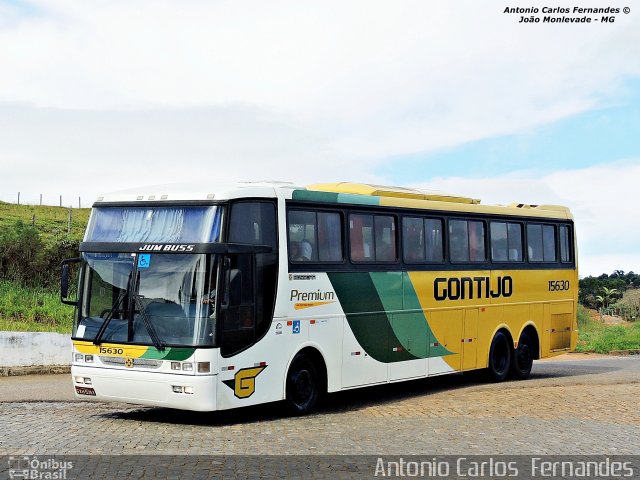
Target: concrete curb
x,y
34,370
22,353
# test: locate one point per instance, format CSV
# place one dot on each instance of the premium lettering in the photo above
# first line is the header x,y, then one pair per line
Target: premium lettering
x,y
311,296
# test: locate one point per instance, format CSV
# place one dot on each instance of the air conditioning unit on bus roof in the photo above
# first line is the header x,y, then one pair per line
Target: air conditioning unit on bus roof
x,y
387,191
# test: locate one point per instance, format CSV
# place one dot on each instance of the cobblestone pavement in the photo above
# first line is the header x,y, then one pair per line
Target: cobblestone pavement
x,y
569,406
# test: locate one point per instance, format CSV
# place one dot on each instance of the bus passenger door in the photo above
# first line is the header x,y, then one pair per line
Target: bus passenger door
x,y
470,339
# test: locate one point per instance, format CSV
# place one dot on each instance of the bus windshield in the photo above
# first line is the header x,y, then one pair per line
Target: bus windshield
x,y
155,224
148,299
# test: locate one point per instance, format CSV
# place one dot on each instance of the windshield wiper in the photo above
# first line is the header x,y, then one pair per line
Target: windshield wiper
x,y
103,328
147,323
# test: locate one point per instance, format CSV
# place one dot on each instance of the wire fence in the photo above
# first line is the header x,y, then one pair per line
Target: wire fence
x,y
67,201
628,311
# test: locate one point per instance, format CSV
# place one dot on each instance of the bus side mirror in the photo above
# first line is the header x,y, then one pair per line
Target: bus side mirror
x,y
65,273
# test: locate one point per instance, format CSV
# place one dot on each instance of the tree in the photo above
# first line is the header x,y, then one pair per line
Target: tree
x,y
608,294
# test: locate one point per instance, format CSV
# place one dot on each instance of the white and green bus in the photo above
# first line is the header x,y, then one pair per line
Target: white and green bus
x,y
249,293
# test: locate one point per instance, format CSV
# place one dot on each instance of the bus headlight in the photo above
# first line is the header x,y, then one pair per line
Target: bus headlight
x,y
79,357
175,366
204,367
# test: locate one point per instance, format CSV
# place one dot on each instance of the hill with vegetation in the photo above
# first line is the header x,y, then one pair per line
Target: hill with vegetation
x,y
33,242
35,239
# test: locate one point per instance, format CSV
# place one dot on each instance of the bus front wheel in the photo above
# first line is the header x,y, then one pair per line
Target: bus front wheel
x,y
499,358
303,385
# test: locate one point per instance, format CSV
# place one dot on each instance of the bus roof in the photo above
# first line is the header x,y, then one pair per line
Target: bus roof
x,y
359,193
342,193
199,191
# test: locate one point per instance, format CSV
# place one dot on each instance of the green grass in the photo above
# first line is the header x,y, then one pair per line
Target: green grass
x,y
24,309
51,222
595,336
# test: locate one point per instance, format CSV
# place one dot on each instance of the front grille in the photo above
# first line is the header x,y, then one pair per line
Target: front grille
x,y
137,362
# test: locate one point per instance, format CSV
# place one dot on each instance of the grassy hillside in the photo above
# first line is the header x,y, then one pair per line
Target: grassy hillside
x,y
33,242
50,222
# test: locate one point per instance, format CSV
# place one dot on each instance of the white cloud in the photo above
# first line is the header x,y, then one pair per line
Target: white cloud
x,y
83,153
602,199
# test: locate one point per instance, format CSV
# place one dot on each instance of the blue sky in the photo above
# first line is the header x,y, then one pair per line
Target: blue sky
x,y
608,133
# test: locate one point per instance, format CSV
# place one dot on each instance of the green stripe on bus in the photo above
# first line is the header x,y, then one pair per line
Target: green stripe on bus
x,y
311,196
423,330
332,197
366,316
358,199
169,353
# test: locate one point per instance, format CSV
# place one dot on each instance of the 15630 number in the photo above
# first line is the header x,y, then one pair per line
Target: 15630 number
x,y
558,285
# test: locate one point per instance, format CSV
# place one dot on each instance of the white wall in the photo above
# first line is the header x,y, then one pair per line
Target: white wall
x,y
23,349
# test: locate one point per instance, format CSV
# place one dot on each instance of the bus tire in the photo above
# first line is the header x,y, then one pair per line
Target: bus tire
x,y
522,358
303,385
499,358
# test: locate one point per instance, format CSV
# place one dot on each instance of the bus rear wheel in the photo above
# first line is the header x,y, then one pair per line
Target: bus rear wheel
x,y
499,358
523,358
303,385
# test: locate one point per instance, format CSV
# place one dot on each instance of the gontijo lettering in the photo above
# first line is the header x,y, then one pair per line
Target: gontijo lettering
x,y
466,287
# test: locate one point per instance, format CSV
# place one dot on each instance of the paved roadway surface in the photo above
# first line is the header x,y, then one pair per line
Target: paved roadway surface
x,y
575,404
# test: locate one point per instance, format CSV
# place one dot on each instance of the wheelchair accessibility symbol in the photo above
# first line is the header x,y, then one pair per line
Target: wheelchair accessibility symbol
x,y
144,259
296,326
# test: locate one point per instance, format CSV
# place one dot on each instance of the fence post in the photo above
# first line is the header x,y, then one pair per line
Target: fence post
x,y
18,198
79,203
60,200
33,220
40,199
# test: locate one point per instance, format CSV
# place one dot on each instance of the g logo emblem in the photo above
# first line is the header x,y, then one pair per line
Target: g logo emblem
x,y
128,362
244,381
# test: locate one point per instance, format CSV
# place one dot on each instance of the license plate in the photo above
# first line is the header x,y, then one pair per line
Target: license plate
x,y
85,391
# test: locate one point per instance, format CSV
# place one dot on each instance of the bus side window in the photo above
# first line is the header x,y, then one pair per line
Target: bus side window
x,y
385,238
458,241
476,242
253,222
413,240
565,245
433,239
303,233
514,235
506,242
329,237
541,242
549,243
534,242
361,237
